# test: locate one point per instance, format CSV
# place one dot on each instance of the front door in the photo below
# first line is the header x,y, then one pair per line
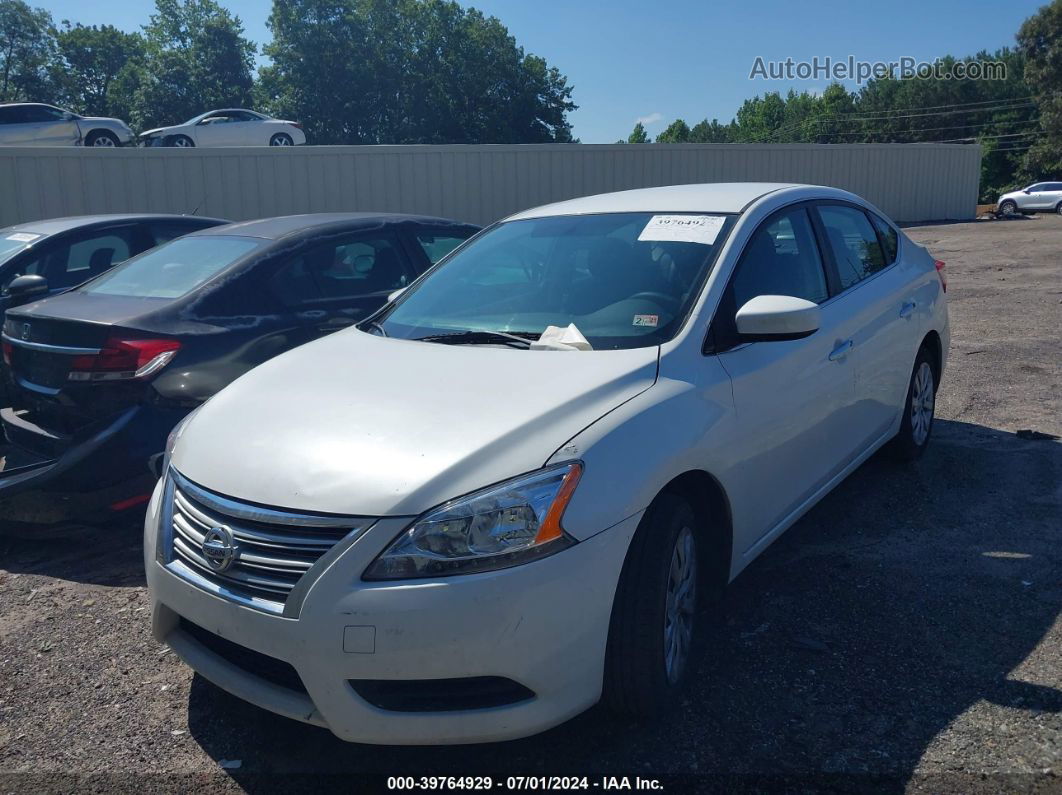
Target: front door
x,y
792,398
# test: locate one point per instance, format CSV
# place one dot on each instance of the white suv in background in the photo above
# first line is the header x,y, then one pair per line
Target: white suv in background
x,y
36,124
515,489
1040,197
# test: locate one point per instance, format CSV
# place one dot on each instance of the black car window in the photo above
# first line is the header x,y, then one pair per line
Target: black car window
x,y
782,258
175,268
346,268
40,113
437,244
888,236
9,115
853,242
164,231
77,261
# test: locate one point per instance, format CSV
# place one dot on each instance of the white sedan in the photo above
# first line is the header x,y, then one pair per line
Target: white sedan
x,y
230,127
521,484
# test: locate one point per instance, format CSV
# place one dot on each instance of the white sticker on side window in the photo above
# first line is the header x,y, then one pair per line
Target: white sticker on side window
x,y
683,228
22,237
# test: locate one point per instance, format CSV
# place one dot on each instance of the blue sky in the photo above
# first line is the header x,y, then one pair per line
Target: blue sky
x,y
691,59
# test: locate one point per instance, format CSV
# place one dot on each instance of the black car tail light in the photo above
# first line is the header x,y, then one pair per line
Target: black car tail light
x,y
123,359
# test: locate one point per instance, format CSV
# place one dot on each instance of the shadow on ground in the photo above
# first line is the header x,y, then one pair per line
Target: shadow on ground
x,y
104,556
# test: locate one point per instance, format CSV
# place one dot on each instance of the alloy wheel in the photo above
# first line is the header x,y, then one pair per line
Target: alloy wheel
x,y
103,140
681,602
922,403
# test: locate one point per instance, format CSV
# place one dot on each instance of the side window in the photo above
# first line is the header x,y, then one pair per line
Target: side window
x,y
349,268
38,114
782,258
888,236
437,245
853,242
76,262
7,115
164,232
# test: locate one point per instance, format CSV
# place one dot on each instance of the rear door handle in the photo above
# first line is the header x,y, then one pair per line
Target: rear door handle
x,y
907,309
841,351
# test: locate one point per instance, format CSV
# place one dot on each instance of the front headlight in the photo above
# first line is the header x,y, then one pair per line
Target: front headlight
x,y
171,442
500,526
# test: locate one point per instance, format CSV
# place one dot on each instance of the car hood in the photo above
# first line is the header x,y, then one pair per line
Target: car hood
x,y
362,425
156,131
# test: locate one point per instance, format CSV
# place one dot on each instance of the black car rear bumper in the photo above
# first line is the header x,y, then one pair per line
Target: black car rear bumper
x,y
90,482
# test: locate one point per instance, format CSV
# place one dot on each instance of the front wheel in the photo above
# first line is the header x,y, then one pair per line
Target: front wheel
x,y
102,138
281,139
917,424
180,141
654,627
1008,207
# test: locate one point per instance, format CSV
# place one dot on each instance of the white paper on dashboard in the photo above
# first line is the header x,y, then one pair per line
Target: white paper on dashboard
x,y
683,228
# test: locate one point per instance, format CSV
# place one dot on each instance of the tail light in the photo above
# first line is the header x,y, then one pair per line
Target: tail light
x,y
297,125
941,273
124,359
7,353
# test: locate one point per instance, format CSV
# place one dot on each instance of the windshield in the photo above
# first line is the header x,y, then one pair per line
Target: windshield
x,y
12,244
173,269
626,280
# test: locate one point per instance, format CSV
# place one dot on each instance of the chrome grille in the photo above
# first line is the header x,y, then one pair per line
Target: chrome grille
x,y
272,548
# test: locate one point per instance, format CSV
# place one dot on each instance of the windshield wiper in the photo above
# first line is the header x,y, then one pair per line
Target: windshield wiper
x,y
520,339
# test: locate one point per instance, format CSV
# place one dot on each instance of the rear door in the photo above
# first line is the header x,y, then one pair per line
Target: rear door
x,y
332,285
52,127
879,293
792,398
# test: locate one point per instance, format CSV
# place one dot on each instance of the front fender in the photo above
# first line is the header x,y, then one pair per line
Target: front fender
x,y
633,452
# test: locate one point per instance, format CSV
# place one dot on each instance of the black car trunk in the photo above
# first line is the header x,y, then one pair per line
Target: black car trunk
x,y
49,352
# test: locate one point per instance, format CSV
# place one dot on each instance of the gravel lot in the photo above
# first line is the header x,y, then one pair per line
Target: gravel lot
x,y
905,634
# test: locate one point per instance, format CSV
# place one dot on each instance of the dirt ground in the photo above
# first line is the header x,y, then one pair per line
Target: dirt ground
x,y
906,634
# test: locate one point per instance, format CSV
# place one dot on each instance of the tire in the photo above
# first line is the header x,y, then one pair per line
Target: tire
x,y
1058,208
180,141
281,139
638,679
102,138
1009,207
916,428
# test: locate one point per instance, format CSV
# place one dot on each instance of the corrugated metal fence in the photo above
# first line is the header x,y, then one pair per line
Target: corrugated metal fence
x,y
910,182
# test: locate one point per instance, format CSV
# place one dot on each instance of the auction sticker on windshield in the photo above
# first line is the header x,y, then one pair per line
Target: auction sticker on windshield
x,y
22,237
683,228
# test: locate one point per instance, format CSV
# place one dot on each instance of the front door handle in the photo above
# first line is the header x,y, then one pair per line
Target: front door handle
x,y
907,309
841,351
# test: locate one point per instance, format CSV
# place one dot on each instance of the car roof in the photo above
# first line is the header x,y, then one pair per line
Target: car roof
x,y
285,225
718,197
53,226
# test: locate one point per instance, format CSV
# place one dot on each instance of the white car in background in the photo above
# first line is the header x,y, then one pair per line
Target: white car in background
x,y
37,124
229,127
514,490
1040,197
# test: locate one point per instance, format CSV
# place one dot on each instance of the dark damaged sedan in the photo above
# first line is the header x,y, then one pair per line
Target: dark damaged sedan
x,y
103,373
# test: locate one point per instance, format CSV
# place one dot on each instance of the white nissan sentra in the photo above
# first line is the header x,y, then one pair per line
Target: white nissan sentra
x,y
514,490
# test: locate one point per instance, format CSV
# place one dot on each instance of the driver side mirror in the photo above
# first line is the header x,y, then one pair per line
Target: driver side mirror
x,y
768,318
1026,190
28,286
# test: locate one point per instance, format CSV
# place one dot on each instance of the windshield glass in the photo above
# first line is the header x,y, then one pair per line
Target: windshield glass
x,y
626,280
173,269
13,243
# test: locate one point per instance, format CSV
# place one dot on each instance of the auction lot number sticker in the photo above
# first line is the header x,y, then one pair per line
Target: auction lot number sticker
x,y
523,783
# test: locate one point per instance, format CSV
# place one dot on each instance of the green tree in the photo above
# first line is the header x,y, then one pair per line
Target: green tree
x,y
196,59
27,48
638,135
98,69
409,71
1040,41
678,132
710,132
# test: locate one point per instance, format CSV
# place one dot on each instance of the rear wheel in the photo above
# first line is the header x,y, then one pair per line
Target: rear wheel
x,y
917,424
101,138
654,626
281,139
1058,209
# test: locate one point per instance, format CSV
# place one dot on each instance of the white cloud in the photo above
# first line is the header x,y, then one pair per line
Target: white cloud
x,y
651,119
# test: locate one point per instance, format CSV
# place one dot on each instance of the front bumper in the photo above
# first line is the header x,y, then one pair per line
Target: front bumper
x,y
543,625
